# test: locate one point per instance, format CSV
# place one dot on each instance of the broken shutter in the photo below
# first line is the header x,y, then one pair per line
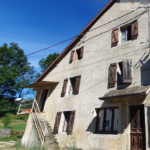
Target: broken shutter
x,y
127,75
77,85
112,75
71,122
63,92
114,37
81,53
57,121
71,57
135,29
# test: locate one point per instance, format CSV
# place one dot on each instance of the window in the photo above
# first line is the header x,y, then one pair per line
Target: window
x,y
128,32
76,55
66,121
124,73
107,120
69,117
71,86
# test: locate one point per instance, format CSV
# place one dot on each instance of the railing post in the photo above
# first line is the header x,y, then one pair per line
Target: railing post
x,y
19,108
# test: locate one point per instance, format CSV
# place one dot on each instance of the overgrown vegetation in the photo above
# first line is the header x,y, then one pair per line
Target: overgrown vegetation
x,y
72,145
6,120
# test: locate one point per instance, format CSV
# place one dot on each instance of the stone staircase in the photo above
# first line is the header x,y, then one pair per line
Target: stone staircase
x,y
48,141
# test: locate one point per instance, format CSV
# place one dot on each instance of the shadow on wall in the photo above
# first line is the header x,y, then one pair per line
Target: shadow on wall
x,y
145,71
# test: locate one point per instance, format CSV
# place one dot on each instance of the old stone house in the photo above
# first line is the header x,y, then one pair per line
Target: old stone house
x,y
97,90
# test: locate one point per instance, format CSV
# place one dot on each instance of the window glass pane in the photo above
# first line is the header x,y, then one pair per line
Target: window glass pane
x,y
116,121
124,35
108,119
100,120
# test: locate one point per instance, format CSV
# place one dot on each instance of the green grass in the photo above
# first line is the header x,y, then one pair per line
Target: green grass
x,y
16,127
11,138
18,146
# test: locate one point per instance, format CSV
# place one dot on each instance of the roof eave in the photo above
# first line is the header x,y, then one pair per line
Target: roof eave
x,y
119,96
76,39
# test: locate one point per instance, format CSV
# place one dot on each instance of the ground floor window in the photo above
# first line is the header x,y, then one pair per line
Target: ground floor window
x,y
107,120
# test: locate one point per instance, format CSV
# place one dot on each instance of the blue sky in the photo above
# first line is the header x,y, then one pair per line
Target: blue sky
x,y
36,24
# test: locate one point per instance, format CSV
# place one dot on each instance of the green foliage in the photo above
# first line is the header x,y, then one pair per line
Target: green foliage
x,y
72,144
15,70
6,120
18,146
16,127
45,62
11,138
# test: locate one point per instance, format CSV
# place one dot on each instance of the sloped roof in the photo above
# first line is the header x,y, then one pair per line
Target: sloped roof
x,y
132,91
75,41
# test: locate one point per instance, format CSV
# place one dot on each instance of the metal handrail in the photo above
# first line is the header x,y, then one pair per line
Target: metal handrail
x,y
35,111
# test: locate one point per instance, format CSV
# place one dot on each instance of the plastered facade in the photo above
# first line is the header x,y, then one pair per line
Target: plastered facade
x,y
93,68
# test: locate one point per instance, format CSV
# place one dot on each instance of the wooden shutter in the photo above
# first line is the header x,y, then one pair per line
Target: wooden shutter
x,y
57,122
63,92
127,71
115,37
71,57
134,27
81,52
112,75
77,85
71,122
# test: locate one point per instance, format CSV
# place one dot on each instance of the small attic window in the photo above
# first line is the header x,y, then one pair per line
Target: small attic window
x,y
76,55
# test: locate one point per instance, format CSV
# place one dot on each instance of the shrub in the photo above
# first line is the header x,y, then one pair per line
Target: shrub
x,y
6,120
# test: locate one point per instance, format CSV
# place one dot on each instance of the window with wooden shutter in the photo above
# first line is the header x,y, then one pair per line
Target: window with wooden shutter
x,y
112,75
80,53
71,57
134,29
127,71
71,122
57,122
114,37
63,92
77,85
107,120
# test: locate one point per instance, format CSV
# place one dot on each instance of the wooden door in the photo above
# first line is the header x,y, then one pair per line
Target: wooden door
x,y
137,127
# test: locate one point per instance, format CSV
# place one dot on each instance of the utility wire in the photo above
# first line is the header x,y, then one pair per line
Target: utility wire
x,y
78,35
52,46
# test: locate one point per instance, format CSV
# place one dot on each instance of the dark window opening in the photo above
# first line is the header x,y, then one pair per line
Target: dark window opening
x,y
78,54
43,99
120,74
66,120
129,33
73,84
107,120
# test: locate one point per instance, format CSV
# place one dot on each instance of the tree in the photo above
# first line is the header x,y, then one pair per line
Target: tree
x,y
15,70
44,63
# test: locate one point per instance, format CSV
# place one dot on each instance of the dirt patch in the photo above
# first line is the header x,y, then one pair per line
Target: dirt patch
x,y
7,145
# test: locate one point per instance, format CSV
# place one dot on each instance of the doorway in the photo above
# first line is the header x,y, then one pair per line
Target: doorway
x,y
137,133
43,99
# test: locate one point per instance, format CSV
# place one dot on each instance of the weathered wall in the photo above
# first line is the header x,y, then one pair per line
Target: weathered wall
x,y
93,68
30,137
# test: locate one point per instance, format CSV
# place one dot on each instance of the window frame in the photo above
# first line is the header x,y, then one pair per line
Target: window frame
x,y
75,56
126,29
104,122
